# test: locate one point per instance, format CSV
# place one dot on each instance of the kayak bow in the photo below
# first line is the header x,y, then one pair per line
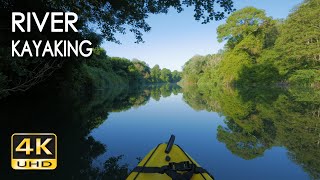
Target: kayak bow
x,y
168,161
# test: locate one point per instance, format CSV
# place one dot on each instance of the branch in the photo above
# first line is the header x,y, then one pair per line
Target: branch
x,y
36,76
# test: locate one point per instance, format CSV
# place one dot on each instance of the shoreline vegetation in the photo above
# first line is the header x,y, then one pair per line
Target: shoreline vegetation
x,y
262,51
259,51
97,22
103,72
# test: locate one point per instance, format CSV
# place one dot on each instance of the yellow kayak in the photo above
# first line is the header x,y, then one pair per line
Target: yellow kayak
x,y
168,161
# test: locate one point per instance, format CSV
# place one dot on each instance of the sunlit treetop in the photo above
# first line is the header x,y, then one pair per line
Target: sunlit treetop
x,y
247,21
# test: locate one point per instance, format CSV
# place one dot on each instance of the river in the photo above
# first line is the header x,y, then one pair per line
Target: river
x,y
253,133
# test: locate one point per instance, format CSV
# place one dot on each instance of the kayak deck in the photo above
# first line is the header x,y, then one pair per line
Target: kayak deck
x,y
159,159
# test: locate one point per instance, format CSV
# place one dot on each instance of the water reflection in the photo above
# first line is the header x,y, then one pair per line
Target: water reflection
x,y
258,119
72,117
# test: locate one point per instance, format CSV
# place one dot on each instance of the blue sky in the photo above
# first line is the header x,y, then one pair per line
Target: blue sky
x,y
176,37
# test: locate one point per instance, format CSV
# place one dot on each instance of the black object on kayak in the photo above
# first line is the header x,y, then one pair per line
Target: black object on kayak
x,y
170,144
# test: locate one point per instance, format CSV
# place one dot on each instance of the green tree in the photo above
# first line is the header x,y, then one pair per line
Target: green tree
x,y
165,75
142,69
246,29
176,76
155,73
248,32
299,40
250,37
193,69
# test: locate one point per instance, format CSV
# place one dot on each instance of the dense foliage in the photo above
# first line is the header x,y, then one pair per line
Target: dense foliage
x,y
260,50
101,72
242,81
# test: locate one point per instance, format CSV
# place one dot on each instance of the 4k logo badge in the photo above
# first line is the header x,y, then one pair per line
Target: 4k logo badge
x,y
33,151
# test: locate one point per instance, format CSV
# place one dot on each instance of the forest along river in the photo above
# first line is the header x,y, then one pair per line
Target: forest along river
x,y
233,134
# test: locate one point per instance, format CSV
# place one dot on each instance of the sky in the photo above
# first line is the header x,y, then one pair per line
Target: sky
x,y
177,37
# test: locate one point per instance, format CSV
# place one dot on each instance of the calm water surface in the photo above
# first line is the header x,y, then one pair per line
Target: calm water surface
x,y
134,132
253,133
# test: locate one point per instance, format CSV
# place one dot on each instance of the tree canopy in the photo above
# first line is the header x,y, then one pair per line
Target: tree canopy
x,y
260,50
244,28
299,40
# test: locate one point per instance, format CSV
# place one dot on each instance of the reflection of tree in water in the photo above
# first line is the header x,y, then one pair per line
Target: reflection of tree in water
x,y
111,167
164,90
259,118
244,144
72,117
194,98
95,112
117,101
298,130
156,93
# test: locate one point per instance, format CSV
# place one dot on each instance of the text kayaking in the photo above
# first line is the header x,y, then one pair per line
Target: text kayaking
x,y
56,48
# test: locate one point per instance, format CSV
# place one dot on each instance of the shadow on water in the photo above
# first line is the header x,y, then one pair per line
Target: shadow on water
x,y
257,119
72,117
